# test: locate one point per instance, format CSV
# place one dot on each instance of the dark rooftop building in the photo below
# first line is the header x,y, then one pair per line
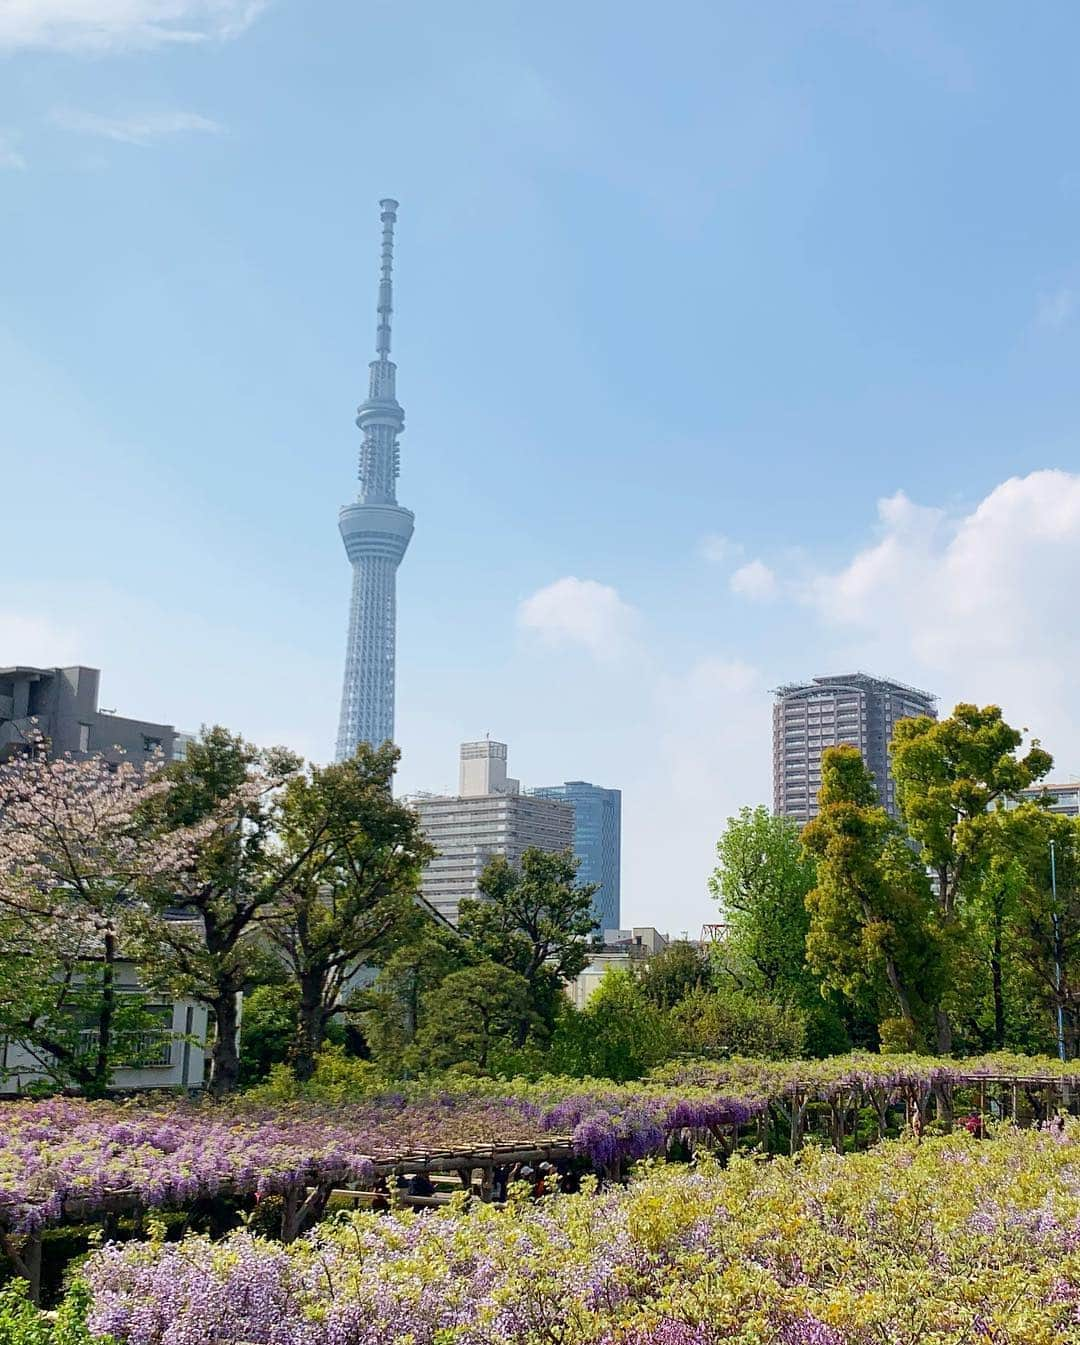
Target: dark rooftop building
x,y
62,704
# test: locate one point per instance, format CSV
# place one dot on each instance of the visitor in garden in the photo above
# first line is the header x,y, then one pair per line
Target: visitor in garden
x,y
679,1148
421,1185
569,1181
500,1180
545,1175
380,1198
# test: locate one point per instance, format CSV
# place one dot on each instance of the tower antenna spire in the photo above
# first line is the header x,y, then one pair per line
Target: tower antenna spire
x,y
376,532
388,210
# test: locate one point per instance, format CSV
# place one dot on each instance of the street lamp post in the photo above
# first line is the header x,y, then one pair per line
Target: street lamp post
x,y
1057,953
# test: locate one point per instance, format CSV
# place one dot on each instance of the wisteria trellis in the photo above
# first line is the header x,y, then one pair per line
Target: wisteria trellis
x,y
60,1154
949,1242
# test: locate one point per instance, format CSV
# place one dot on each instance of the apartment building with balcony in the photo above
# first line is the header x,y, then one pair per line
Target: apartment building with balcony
x,y
853,708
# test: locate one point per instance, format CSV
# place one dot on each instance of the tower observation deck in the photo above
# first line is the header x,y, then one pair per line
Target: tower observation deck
x,y
376,531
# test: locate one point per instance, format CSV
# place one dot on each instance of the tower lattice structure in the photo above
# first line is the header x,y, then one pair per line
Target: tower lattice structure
x,y
376,532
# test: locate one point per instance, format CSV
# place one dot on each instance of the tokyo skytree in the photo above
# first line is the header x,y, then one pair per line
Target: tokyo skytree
x,y
376,532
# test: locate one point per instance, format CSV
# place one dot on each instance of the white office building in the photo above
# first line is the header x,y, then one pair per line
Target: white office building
x,y
1059,798
488,816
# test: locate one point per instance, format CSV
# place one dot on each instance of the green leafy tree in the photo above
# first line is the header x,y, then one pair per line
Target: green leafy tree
x,y
205,935
268,1030
871,909
470,1015
761,883
673,973
949,776
346,861
535,921
395,1006
620,1033
982,972
1044,923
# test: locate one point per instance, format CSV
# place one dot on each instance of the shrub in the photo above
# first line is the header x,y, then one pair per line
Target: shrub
x,y
731,1022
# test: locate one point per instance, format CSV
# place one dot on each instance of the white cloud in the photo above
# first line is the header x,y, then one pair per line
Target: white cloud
x,y
718,549
141,129
1055,310
9,155
99,26
754,580
712,726
581,612
978,605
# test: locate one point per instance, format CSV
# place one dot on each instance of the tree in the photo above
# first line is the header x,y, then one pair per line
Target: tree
x,y
761,883
535,921
730,1021
269,1026
395,1007
205,939
1044,915
949,774
346,861
673,973
74,858
871,907
979,982
470,1013
619,1034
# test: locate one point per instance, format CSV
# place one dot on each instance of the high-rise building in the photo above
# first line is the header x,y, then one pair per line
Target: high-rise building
x,y
62,705
489,817
825,712
376,531
1060,798
597,841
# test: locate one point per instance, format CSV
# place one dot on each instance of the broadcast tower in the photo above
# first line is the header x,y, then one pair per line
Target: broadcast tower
x,y
376,533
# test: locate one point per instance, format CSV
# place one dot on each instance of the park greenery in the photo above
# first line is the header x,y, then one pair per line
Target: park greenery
x,y
889,993
242,872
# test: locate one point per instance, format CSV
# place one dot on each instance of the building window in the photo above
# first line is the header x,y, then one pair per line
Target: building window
x,y
151,744
84,737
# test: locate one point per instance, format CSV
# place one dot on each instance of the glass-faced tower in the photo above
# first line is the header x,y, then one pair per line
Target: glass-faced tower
x,y
376,532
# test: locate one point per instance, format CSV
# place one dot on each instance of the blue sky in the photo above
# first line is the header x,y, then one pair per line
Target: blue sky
x,y
737,343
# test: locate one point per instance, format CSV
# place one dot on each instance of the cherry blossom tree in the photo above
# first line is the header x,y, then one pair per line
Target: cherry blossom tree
x,y
75,858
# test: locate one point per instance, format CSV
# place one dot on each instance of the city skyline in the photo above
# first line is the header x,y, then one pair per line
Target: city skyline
x,y
727,360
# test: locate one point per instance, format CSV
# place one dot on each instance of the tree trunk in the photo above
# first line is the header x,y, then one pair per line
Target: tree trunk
x,y
310,1026
999,992
896,981
892,972
225,1057
102,1070
944,1033
943,1105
